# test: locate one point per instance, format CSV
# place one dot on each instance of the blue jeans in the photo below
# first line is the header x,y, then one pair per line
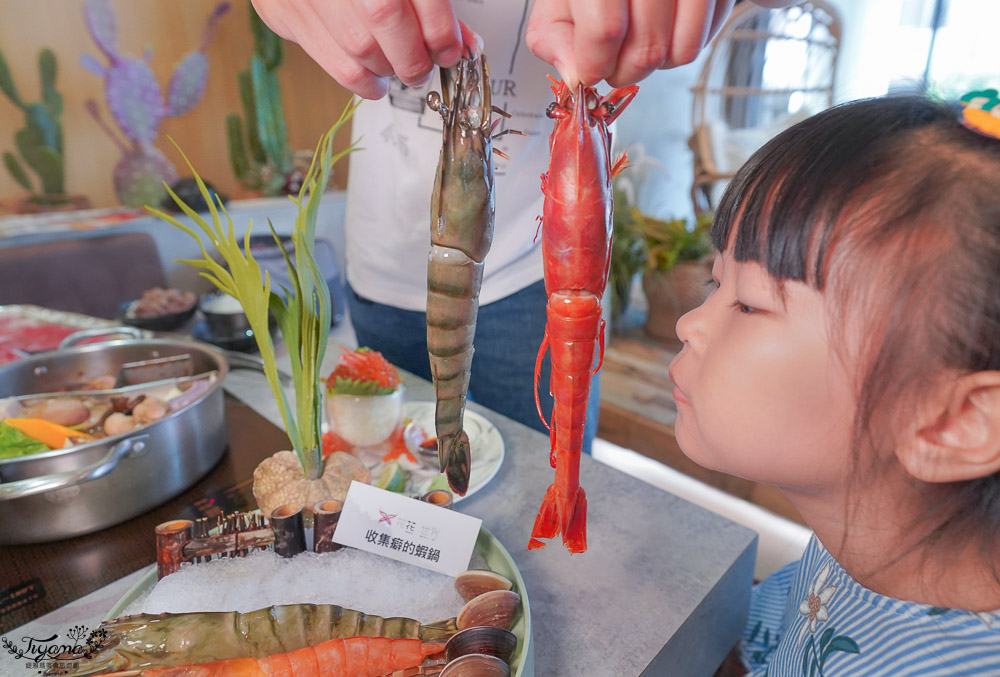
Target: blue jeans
x,y
508,333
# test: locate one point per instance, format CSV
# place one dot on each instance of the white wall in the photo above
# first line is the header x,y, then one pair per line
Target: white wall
x,y
660,116
866,49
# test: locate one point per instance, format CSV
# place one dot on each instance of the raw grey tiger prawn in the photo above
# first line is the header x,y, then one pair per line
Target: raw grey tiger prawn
x,y
462,210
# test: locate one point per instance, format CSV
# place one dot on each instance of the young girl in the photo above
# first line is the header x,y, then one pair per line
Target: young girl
x,y
849,353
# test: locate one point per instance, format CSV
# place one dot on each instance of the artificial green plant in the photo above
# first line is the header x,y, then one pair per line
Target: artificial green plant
x,y
628,251
40,141
304,319
260,154
672,240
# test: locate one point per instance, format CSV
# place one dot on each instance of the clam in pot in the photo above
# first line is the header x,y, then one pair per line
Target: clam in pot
x,y
80,489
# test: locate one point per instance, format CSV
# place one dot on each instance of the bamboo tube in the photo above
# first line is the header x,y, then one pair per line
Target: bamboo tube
x,y
289,530
326,515
170,539
238,543
439,497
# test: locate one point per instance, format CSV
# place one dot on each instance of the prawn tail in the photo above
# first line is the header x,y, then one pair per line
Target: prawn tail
x,y
575,531
547,520
456,460
561,514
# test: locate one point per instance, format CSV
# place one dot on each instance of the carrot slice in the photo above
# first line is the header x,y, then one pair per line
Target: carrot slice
x,y
46,432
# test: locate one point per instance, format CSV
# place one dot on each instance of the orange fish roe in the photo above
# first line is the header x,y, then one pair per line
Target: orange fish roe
x,y
333,442
362,365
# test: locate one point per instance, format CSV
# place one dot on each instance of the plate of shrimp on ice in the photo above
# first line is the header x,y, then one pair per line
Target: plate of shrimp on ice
x,y
261,614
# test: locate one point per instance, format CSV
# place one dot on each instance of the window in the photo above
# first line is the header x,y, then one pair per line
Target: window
x,y
945,47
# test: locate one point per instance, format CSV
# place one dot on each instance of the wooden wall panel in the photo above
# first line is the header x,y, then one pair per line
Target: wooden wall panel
x,y
172,28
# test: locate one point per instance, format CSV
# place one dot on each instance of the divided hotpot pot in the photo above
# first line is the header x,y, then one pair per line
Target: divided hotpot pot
x,y
81,489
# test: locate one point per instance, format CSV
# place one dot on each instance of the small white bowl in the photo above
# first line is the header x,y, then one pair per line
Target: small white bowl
x,y
365,420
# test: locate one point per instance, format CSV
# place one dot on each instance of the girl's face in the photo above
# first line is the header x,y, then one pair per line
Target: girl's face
x,y
760,390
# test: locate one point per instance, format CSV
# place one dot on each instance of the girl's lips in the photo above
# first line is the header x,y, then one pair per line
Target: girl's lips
x,y
679,396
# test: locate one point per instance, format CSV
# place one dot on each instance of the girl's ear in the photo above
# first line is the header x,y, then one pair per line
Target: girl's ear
x,y
959,436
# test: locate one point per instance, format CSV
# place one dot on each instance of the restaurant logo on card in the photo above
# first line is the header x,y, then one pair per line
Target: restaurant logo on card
x,y
50,653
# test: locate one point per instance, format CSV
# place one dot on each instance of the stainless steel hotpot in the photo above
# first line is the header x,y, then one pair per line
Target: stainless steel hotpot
x,y
68,492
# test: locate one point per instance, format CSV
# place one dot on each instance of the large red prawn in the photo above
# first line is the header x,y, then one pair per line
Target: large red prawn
x,y
576,248
350,657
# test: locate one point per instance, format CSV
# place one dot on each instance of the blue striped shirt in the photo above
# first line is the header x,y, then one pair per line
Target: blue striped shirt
x,y
811,619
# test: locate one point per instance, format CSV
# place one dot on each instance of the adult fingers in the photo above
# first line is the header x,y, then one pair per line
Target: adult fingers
x,y
349,29
345,69
300,22
722,11
394,25
274,13
549,36
647,44
600,28
692,25
440,28
471,40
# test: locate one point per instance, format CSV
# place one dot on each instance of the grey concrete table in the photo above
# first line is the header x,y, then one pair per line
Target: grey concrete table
x,y
662,590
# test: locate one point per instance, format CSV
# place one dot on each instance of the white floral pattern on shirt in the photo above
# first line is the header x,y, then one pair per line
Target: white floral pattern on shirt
x,y
816,604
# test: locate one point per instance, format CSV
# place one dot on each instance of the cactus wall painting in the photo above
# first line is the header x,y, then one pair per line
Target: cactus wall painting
x,y
39,143
137,104
259,151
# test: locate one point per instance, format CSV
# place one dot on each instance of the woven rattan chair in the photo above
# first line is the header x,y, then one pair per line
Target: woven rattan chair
x,y
766,70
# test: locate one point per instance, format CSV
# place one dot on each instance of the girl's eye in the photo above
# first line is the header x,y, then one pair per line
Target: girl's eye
x,y
711,284
743,308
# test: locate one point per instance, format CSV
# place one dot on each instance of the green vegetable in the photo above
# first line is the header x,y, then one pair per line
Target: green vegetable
x,y
439,482
304,321
15,443
357,387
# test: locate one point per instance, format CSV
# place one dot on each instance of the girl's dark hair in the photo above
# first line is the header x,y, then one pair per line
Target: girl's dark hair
x,y
901,202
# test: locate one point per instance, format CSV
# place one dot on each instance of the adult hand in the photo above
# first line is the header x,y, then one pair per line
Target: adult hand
x,y
623,41
362,43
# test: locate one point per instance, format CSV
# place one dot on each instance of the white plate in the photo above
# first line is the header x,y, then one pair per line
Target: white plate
x,y
485,443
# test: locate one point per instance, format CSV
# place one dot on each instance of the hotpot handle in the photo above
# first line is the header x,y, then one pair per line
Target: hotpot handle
x,y
78,336
38,485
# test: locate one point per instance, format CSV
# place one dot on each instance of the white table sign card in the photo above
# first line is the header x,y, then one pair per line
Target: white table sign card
x,y
407,530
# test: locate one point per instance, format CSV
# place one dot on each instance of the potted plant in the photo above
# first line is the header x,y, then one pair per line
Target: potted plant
x,y
678,263
628,252
302,475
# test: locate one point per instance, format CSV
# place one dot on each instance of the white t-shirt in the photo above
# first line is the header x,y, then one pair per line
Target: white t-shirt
x,y
390,180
